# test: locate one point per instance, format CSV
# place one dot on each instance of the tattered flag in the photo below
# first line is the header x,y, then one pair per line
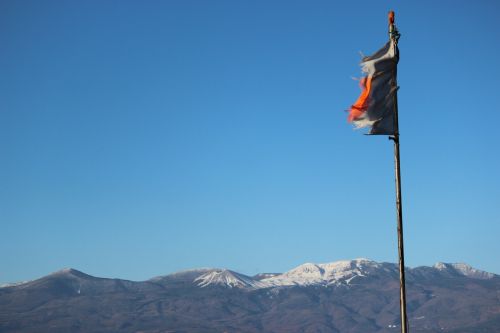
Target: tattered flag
x,y
375,106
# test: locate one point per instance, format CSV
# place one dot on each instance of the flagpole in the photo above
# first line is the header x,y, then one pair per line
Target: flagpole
x,y
399,209
394,35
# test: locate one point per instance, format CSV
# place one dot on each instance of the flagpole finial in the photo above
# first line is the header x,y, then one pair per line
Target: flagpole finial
x,y
390,17
393,31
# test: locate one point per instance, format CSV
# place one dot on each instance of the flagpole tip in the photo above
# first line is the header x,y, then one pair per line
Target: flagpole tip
x,y
390,17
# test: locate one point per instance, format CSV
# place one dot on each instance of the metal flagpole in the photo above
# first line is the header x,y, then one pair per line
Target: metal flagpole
x,y
394,35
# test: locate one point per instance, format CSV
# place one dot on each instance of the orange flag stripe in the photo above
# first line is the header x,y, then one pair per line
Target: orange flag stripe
x,y
361,105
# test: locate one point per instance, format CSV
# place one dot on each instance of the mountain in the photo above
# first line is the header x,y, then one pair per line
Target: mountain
x,y
345,296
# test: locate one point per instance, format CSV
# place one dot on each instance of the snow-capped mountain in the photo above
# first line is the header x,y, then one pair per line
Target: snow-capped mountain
x,y
464,269
334,273
225,277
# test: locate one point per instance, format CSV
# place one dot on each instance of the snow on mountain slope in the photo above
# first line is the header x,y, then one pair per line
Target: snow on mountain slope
x,y
14,284
225,277
464,269
334,273
62,272
262,276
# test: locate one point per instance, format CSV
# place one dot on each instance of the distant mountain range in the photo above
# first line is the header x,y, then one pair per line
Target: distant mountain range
x,y
345,296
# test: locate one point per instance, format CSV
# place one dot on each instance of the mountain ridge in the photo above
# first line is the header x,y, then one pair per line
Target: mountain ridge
x,y
304,274
357,295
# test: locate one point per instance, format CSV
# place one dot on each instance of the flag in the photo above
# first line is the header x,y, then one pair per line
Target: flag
x,y
375,106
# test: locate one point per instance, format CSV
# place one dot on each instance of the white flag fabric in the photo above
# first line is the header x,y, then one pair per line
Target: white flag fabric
x,y
375,106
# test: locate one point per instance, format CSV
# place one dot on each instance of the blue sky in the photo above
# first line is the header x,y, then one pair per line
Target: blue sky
x,y
138,138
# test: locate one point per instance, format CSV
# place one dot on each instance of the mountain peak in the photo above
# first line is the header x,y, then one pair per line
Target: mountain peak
x,y
72,272
463,269
188,274
332,273
67,270
227,278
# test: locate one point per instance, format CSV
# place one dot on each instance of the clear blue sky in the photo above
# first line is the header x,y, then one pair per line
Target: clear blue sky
x,y
138,138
